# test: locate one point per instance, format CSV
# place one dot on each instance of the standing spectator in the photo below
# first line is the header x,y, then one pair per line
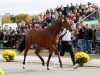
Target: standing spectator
x,y
1,37
74,36
53,18
72,17
88,38
44,24
97,34
77,6
66,9
72,7
81,42
1,34
77,18
56,14
94,38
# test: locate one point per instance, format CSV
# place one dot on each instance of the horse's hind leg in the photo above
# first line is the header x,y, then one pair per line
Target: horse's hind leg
x,y
25,54
37,53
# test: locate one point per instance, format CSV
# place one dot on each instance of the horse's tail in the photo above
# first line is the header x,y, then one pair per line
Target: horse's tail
x,y
21,45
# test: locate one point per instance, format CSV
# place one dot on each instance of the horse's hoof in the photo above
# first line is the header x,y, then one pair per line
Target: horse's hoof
x,y
43,64
61,66
23,67
48,69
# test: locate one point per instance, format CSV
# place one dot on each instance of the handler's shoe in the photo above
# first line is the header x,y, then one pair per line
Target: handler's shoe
x,y
76,66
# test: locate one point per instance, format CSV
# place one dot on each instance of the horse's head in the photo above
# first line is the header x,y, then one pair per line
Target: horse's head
x,y
65,22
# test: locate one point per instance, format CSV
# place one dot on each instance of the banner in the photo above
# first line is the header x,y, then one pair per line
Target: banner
x,y
93,22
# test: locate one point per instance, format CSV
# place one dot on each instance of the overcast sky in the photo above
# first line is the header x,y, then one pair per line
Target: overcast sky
x,y
34,6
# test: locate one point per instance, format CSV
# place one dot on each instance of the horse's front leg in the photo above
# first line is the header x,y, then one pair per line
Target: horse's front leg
x,y
37,53
25,54
49,57
57,53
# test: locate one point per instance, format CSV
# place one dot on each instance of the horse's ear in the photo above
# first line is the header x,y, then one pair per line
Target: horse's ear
x,y
62,20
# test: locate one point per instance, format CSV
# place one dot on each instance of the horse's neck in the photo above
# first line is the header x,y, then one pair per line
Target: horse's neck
x,y
56,27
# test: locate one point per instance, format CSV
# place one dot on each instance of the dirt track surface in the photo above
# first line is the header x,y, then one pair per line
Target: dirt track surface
x,y
15,68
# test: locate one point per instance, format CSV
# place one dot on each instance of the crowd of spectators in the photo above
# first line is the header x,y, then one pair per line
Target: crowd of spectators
x,y
84,37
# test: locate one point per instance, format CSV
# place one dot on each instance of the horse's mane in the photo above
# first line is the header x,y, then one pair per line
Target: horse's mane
x,y
55,25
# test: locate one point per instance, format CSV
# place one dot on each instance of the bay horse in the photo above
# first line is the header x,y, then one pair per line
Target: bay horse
x,y
44,38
